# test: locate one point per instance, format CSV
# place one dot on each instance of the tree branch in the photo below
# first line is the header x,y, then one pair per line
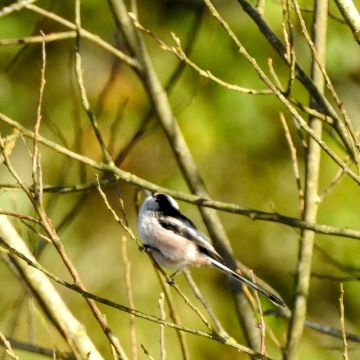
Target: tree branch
x,y
48,298
303,269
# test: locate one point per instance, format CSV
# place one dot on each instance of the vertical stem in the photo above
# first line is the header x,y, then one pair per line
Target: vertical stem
x,y
303,270
130,298
162,328
342,323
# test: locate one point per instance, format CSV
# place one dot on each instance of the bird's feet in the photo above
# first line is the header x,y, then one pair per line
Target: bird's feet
x,y
145,248
171,279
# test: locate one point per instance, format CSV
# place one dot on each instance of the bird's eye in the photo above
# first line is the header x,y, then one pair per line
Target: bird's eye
x,y
159,196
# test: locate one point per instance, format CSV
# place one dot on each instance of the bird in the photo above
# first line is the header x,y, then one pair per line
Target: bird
x,y
175,243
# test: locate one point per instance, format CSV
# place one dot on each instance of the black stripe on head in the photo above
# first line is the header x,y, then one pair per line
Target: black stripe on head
x,y
168,205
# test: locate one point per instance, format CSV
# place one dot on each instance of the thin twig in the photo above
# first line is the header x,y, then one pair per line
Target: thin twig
x,y
130,298
262,325
84,99
351,16
162,328
50,301
320,99
294,161
335,181
311,200
323,329
342,323
85,34
86,294
53,353
8,349
121,221
182,154
274,75
280,96
143,129
36,158
174,316
20,216
17,6
130,178
206,306
342,279
318,58
55,240
331,259
311,11
181,55
288,32
36,39
146,352
168,280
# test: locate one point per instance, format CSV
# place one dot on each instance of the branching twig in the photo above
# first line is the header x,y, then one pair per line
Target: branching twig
x,y
156,266
85,34
137,313
19,5
181,55
318,58
127,177
281,97
42,289
312,89
181,151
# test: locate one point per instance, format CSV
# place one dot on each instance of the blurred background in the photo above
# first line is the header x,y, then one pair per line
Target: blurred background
x,y
239,146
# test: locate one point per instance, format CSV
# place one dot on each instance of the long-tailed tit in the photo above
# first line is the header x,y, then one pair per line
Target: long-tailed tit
x,y
175,242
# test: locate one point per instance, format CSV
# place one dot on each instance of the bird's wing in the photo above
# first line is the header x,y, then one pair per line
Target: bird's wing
x,y
183,226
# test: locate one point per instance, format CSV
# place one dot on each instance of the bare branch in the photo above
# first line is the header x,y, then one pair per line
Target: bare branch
x,y
351,16
36,39
311,200
162,329
37,268
313,90
323,329
19,5
130,178
342,322
40,350
84,99
85,34
49,299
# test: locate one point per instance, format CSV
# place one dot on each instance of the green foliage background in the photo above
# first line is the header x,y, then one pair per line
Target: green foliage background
x,y
237,141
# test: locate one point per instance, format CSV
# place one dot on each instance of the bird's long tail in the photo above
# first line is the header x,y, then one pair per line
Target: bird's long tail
x,y
273,298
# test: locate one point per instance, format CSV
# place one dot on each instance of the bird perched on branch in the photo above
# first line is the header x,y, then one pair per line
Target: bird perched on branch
x,y
175,242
